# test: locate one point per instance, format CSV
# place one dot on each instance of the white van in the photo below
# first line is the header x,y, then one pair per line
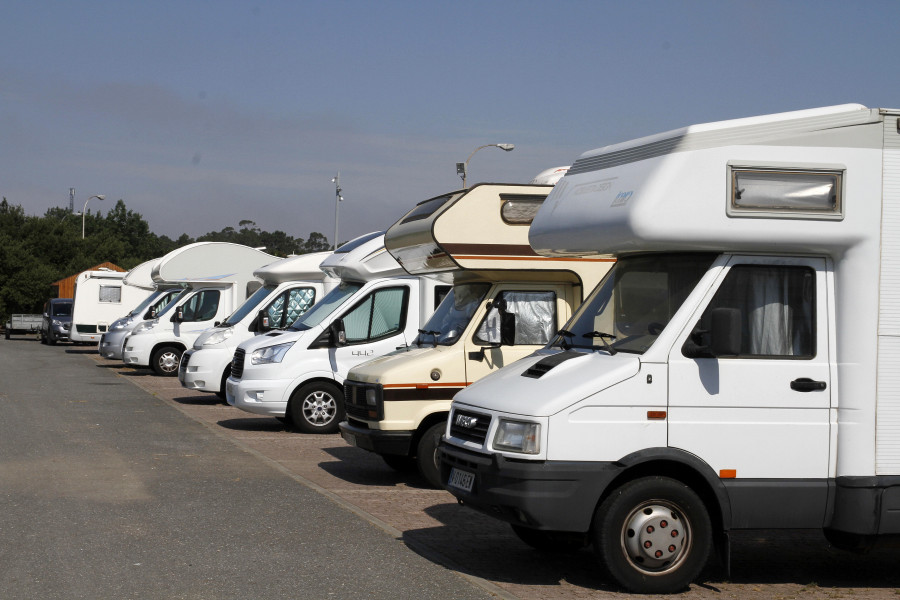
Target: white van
x,y
112,341
506,303
290,287
296,375
101,297
217,277
735,370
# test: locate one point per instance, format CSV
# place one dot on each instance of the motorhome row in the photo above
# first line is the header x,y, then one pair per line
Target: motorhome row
x,y
689,335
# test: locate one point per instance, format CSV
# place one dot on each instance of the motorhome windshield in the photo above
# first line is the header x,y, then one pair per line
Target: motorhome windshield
x,y
327,305
452,316
143,305
173,302
248,306
634,303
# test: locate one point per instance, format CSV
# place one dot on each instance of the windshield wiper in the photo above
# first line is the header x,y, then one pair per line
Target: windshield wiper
x,y
564,333
433,335
602,336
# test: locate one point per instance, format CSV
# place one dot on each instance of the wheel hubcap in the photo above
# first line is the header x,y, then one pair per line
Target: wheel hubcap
x,y
655,538
168,362
319,408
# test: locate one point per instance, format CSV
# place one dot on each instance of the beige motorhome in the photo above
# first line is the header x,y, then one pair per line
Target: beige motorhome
x,y
506,303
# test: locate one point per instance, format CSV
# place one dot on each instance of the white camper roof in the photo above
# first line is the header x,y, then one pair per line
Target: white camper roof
x,y
362,259
304,267
100,274
141,275
483,227
674,190
213,262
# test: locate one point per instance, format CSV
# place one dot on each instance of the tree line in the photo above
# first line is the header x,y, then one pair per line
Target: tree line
x,y
37,251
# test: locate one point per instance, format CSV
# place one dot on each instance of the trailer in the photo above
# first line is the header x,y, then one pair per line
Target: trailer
x,y
23,324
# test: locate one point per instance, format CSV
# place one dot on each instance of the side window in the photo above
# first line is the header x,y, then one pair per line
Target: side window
x,y
202,306
519,318
381,314
440,292
775,305
110,293
289,305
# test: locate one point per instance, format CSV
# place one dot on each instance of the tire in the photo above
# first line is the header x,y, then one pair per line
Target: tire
x,y
401,464
221,393
550,541
51,339
317,407
43,337
165,361
427,458
653,535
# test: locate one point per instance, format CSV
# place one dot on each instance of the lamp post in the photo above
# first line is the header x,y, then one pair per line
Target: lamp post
x,y
462,169
337,198
84,211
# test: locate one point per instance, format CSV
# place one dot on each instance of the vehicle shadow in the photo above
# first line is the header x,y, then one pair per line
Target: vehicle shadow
x,y
204,400
78,350
361,467
251,424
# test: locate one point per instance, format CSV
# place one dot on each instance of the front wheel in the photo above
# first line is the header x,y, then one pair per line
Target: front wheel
x,y
653,535
317,407
165,361
427,458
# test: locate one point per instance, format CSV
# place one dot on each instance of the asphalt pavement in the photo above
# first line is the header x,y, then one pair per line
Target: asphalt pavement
x,y
107,492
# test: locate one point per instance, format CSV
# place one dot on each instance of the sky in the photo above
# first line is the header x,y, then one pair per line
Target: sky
x,y
200,115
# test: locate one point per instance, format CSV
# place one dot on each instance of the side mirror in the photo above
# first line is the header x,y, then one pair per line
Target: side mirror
x,y
338,334
507,329
178,317
262,321
725,332
479,354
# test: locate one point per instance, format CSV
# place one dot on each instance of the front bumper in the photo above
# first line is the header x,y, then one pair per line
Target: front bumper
x,y
136,352
376,440
258,396
112,343
547,495
60,332
202,369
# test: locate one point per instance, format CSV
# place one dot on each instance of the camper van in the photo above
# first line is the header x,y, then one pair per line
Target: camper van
x,y
734,370
506,303
296,375
217,277
290,287
111,342
101,297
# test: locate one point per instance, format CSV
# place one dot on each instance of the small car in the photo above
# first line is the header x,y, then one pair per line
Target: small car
x,y
56,321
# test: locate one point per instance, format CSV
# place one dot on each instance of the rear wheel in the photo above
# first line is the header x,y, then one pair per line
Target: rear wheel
x,y
653,535
317,407
427,454
165,361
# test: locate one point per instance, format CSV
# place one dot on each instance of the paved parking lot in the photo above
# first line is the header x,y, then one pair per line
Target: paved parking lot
x,y
429,522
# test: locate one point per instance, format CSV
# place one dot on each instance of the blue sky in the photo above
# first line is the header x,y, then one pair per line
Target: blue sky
x,y
202,114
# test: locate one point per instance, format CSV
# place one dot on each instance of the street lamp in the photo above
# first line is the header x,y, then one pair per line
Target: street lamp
x,y
336,180
84,210
463,168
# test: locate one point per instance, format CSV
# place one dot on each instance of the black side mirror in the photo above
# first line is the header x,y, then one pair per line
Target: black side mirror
x,y
479,354
262,321
338,334
178,317
725,332
507,329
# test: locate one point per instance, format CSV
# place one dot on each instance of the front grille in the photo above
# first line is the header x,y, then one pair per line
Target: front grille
x,y
355,401
237,363
469,426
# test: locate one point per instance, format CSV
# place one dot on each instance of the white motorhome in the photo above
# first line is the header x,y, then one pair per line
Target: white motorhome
x,y
296,375
113,340
101,297
734,370
506,303
290,287
217,277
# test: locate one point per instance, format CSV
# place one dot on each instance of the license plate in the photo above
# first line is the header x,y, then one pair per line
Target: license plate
x,y
461,479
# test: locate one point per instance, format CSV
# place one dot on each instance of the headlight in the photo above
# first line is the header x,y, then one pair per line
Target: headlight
x,y
270,354
144,326
121,323
518,436
218,336
57,323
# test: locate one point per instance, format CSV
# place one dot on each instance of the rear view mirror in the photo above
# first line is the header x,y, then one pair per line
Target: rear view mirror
x,y
725,332
507,329
338,334
178,317
262,321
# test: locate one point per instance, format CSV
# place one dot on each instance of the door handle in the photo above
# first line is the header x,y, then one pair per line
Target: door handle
x,y
805,384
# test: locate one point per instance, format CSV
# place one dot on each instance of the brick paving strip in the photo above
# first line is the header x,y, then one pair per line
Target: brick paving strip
x,y
483,550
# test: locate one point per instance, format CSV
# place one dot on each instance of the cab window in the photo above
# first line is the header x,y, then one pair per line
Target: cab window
x,y
379,315
519,318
